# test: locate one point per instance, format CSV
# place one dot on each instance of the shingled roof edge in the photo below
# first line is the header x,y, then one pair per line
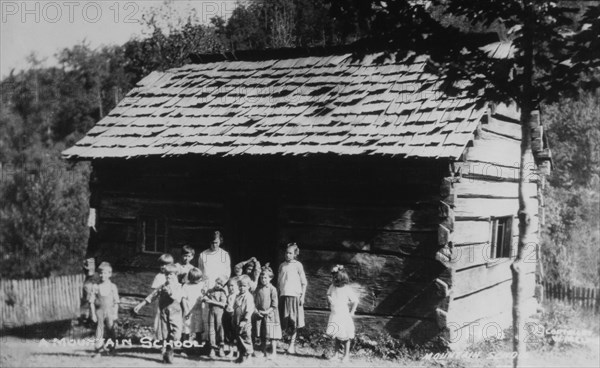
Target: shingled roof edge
x,y
401,111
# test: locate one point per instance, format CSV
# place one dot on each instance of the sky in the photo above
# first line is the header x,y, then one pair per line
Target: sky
x,y
47,26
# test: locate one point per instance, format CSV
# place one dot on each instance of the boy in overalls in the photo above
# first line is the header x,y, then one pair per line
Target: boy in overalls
x,y
104,308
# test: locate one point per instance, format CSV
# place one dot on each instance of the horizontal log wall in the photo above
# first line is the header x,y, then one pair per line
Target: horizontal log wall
x,y
403,230
197,196
489,188
386,235
118,217
388,285
485,314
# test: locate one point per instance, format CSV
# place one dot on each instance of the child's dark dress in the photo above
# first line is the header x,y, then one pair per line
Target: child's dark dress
x,y
268,326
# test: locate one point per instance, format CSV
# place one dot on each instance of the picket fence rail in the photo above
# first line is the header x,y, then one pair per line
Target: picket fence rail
x,y
31,301
587,298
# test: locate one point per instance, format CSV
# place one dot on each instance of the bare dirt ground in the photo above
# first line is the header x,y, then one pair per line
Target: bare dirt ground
x,y
20,352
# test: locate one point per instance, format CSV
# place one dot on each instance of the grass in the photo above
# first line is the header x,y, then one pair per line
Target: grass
x,y
380,346
127,328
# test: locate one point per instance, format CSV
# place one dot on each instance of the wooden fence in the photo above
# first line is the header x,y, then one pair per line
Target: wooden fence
x,y
588,298
27,302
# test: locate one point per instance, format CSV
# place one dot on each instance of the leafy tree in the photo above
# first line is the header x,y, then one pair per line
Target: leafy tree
x,y
170,43
44,201
43,204
575,135
278,24
81,96
571,234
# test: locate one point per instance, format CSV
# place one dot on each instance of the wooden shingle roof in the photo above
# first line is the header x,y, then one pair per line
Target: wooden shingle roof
x,y
334,104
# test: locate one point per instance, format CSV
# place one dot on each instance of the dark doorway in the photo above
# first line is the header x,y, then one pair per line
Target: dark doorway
x,y
253,212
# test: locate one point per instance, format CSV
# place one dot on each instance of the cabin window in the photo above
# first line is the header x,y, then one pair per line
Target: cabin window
x,y
153,234
501,237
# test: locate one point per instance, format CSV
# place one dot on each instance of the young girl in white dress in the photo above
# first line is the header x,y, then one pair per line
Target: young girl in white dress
x,y
343,302
194,290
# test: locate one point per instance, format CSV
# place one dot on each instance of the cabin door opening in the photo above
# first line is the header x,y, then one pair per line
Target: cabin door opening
x,y
254,226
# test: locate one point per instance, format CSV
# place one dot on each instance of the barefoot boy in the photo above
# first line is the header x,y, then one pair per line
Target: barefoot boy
x,y
104,307
172,307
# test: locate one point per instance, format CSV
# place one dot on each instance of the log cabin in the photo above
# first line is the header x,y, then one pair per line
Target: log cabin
x,y
363,161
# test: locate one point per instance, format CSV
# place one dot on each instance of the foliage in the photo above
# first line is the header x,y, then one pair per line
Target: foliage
x,y
570,237
562,326
43,212
549,55
44,200
278,24
574,133
544,333
380,345
127,328
162,51
571,234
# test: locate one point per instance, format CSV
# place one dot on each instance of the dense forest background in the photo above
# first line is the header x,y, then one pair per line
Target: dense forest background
x,y
43,110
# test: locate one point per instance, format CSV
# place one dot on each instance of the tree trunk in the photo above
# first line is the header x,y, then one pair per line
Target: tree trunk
x,y
524,226
99,97
527,104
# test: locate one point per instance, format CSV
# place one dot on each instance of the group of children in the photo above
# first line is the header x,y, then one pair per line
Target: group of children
x,y
230,313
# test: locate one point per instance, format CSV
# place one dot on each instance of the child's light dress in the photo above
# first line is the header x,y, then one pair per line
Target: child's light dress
x,y
340,325
194,294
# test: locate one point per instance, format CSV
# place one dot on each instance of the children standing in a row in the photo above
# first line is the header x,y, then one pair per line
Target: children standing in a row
x,y
228,316
231,315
